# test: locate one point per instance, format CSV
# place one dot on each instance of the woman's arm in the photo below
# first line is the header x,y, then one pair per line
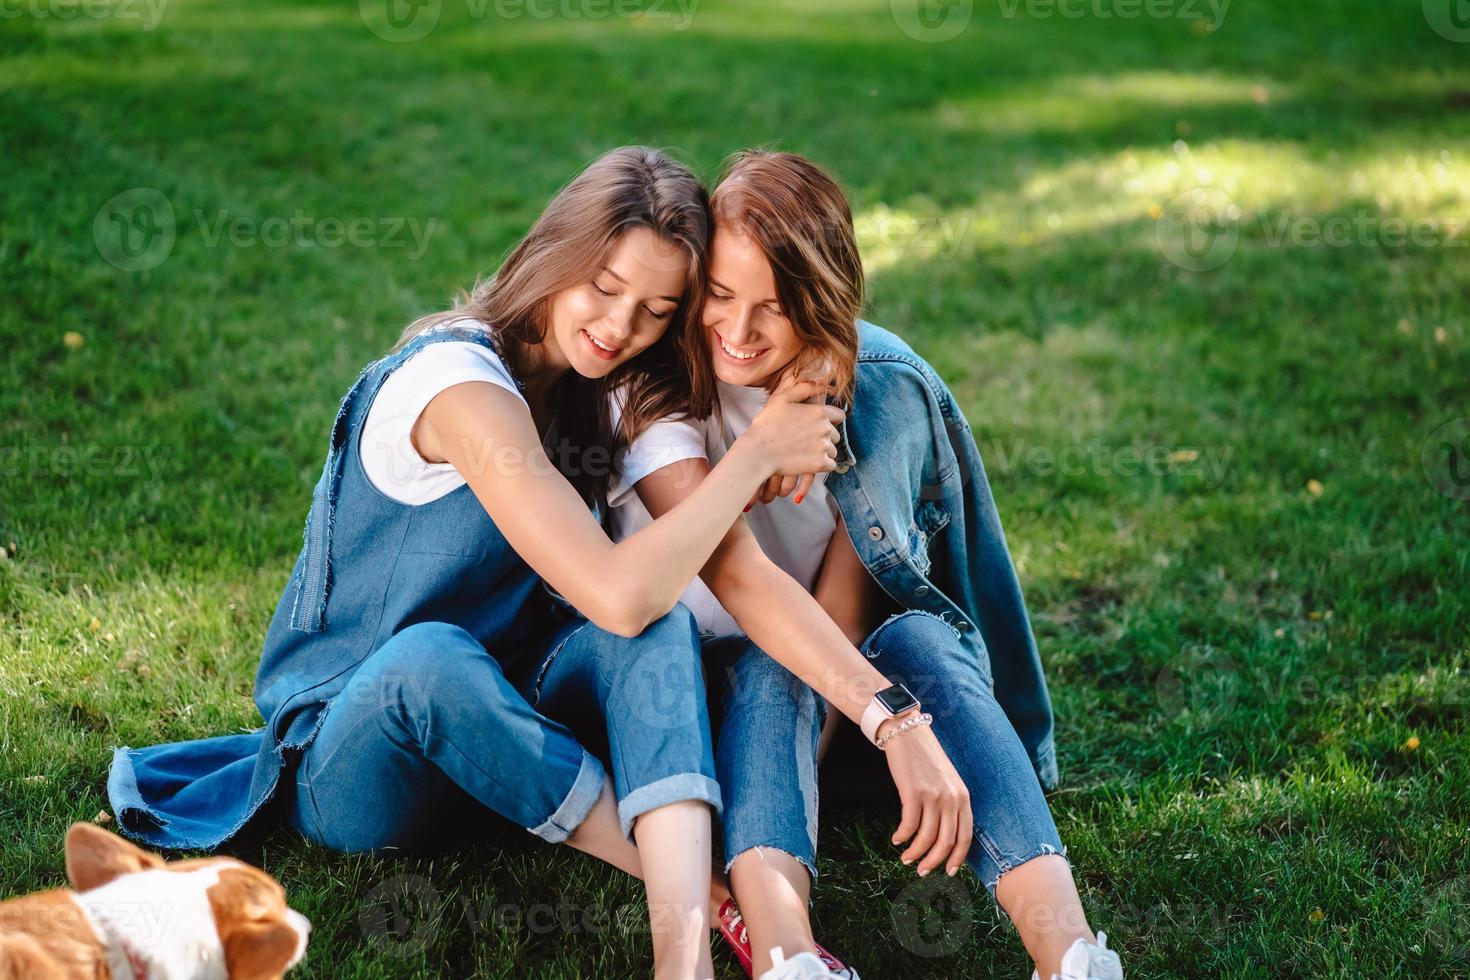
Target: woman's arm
x,y
489,436
849,595
786,622
847,592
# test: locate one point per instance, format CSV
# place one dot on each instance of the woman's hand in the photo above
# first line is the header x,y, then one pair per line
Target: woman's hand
x,y
778,486
937,821
795,438
785,484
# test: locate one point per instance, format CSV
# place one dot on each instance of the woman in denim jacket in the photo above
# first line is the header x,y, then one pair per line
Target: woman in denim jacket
x,y
389,718
798,596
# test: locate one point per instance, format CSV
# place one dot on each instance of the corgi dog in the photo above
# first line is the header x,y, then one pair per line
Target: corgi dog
x,y
130,915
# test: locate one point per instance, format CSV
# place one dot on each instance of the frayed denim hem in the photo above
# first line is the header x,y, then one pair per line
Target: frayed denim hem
x,y
579,802
810,866
1002,864
670,789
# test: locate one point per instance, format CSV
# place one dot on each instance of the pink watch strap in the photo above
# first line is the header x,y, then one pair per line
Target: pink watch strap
x,y
873,716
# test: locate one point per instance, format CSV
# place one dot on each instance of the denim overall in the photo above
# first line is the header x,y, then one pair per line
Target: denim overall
x,y
388,714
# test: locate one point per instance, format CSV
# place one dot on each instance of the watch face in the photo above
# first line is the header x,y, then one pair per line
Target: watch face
x,y
897,699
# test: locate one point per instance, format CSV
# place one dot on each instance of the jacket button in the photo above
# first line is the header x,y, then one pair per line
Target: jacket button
x,y
875,532
962,626
922,590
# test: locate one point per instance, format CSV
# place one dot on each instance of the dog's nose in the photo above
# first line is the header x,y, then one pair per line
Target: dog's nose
x,y
302,925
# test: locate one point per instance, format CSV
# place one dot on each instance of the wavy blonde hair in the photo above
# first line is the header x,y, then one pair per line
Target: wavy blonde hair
x,y
626,188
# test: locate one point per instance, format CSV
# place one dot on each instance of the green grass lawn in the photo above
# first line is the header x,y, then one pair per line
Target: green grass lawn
x,y
1199,282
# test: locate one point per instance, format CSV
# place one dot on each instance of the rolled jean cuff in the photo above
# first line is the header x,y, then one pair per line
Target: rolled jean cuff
x,y
670,789
578,803
805,862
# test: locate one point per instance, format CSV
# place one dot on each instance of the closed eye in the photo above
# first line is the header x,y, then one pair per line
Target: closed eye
x,y
600,290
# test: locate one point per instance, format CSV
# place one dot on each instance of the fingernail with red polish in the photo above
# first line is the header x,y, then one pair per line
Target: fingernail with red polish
x,y
747,509
800,498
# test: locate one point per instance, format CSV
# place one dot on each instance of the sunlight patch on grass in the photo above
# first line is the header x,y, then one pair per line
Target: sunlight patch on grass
x,y
1246,181
153,649
1077,103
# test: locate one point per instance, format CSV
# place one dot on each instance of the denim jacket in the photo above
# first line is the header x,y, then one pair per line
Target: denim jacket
x,y
919,511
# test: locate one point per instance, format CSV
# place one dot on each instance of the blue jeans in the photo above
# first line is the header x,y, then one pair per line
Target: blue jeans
x,y
426,737
639,703
766,753
429,735
772,797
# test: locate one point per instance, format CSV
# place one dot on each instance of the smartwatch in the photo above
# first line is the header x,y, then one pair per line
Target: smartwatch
x,y
887,703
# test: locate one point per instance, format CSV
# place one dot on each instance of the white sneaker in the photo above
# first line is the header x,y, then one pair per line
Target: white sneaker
x,y
802,966
1089,961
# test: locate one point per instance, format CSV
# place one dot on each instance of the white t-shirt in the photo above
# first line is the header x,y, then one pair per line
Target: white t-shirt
x,y
391,462
794,536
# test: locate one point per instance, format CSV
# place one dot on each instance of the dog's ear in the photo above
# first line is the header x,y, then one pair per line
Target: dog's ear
x,y
260,950
94,857
23,958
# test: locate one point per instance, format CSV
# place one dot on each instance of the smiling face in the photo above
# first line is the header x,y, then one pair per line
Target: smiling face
x,y
751,340
622,309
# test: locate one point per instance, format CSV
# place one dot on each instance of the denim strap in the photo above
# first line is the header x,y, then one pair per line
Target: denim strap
x,y
309,609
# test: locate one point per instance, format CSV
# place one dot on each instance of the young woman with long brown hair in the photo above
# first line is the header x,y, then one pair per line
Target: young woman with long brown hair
x,y
891,571
458,477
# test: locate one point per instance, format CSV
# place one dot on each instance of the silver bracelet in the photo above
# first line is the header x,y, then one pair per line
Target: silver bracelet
x,y
923,718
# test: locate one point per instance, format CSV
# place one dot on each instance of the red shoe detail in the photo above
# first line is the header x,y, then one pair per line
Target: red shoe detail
x,y
833,964
732,929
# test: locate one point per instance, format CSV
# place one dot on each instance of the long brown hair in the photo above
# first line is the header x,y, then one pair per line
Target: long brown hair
x,y
626,188
799,218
